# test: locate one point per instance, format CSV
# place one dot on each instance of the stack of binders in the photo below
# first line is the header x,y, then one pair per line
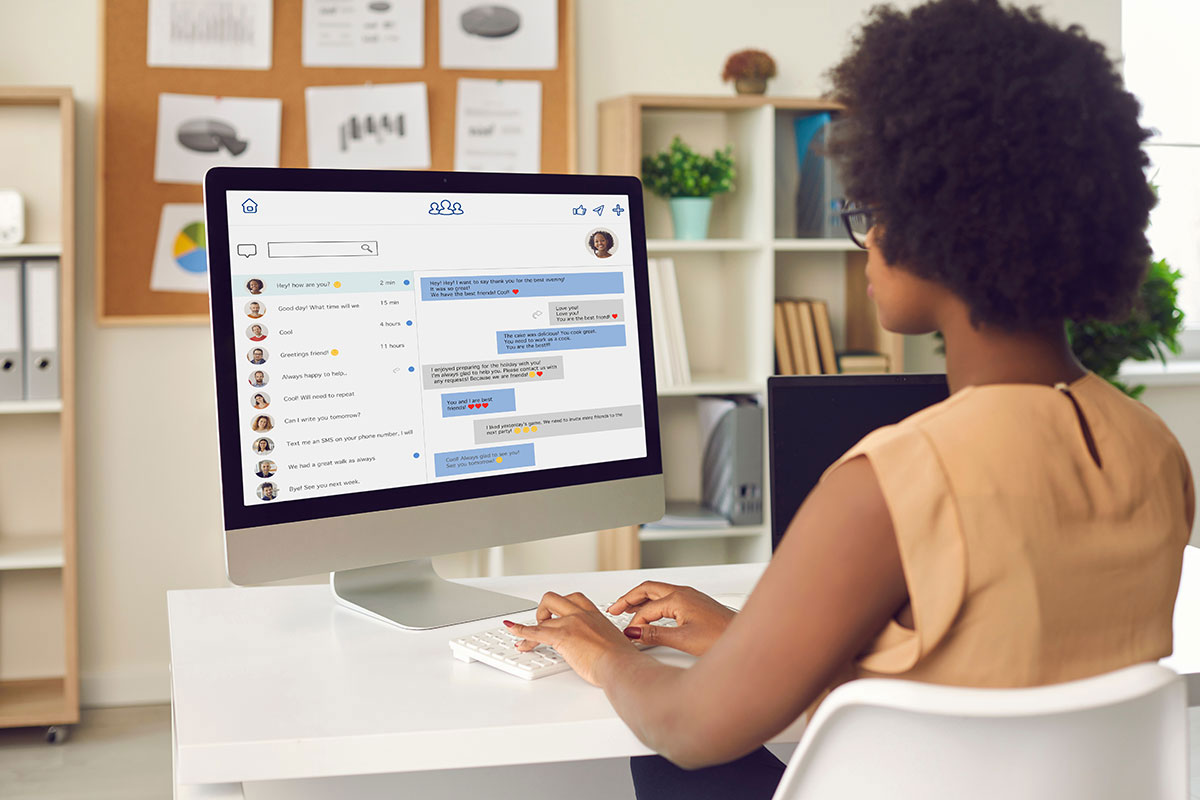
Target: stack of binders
x,y
29,329
671,365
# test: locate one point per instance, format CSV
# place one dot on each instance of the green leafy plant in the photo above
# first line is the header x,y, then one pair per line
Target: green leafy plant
x,y
1152,328
679,171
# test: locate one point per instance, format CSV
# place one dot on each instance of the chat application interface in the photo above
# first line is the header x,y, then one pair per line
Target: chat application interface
x,y
387,340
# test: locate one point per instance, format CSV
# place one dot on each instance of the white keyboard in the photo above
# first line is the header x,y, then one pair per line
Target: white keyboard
x,y
497,648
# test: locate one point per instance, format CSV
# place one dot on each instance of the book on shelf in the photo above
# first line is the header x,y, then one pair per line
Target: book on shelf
x,y
863,363
803,338
666,325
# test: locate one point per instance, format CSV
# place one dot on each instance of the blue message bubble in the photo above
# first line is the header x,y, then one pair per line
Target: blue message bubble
x,y
491,287
541,339
324,283
467,404
483,459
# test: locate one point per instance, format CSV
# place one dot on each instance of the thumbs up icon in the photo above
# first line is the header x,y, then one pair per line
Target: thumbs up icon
x,y
579,210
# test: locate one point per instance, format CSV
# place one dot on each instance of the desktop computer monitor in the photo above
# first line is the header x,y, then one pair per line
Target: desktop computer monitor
x,y
411,364
813,420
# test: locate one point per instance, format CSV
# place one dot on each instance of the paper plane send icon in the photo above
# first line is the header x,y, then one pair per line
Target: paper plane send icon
x,y
579,210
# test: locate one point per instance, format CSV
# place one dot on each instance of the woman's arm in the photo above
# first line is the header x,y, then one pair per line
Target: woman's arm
x,y
833,584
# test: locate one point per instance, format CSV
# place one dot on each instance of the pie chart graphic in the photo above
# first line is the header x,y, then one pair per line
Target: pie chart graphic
x,y
190,252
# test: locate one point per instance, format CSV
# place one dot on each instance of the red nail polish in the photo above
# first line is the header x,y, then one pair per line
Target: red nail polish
x,y
633,632
509,624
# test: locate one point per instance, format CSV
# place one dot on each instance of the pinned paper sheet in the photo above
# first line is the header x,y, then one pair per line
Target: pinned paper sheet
x,y
196,132
219,34
354,33
498,126
181,254
512,34
379,126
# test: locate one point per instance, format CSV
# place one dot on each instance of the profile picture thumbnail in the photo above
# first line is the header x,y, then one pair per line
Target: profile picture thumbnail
x,y
258,378
262,446
257,355
262,423
260,400
265,469
255,309
602,243
268,491
254,286
256,332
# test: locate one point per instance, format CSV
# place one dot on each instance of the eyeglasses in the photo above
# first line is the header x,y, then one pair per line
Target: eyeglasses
x,y
859,220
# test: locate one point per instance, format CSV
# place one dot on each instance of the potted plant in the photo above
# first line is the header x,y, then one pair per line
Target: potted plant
x,y
749,71
689,180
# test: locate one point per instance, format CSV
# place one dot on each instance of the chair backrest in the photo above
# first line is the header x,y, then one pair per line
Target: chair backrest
x,y
1116,736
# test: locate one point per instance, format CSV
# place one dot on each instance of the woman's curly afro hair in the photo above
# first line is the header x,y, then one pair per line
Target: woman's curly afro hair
x,y
1004,157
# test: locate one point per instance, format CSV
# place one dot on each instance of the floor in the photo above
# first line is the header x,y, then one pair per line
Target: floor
x,y
125,754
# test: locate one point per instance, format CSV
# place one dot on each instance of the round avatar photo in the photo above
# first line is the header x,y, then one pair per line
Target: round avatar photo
x,y
257,355
268,491
262,423
262,446
255,309
256,332
602,243
265,469
258,379
254,286
260,400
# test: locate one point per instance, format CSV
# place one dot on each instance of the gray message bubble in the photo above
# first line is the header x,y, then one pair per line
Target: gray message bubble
x,y
500,370
556,423
568,313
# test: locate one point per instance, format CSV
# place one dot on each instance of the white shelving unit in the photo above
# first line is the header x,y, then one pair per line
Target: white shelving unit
x,y
728,284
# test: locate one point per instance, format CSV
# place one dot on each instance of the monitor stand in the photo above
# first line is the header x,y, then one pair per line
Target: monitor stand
x,y
412,595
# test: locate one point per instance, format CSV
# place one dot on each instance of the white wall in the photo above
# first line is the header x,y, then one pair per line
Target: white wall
x,y
143,531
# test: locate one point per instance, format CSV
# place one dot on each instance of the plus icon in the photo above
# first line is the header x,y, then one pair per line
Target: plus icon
x,y
618,210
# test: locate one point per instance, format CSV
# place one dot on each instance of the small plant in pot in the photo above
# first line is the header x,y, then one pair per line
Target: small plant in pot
x,y
749,71
689,181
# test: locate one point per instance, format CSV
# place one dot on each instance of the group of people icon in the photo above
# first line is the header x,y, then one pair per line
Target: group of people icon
x,y
260,424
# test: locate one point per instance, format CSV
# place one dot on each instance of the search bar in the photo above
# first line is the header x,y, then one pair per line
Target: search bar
x,y
345,249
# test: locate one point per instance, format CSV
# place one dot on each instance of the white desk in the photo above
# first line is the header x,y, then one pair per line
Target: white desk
x,y
278,683
281,683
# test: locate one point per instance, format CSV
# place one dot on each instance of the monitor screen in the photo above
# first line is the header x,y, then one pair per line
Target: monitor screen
x,y
394,346
814,420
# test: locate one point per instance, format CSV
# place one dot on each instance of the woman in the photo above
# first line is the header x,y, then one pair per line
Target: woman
x,y
1028,530
261,424
254,286
602,244
263,446
260,402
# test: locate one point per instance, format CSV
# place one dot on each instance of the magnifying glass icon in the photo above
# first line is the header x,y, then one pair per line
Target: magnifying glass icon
x,y
367,248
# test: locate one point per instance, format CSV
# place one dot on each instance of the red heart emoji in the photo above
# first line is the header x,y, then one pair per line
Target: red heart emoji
x,y
539,374
485,405
614,316
470,406
516,290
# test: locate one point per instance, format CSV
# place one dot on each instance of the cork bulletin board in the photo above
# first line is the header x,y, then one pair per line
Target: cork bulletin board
x,y
129,201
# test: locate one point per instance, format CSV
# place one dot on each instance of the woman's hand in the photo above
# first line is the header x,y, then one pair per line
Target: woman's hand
x,y
578,630
699,619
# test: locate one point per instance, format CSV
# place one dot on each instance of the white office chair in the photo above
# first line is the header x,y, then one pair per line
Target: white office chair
x,y
1118,736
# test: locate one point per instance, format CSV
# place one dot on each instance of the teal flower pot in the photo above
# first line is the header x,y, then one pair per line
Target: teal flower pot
x,y
690,216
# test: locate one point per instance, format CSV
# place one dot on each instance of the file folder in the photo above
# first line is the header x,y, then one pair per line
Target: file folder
x,y
12,361
41,330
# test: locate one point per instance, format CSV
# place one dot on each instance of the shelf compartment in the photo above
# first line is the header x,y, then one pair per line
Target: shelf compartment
x,y
31,407
41,701
716,385
43,551
843,245
687,534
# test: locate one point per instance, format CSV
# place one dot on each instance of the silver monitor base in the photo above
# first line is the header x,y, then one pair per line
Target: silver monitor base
x,y
412,595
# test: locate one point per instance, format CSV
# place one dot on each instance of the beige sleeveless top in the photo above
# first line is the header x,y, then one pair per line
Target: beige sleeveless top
x,y
1027,562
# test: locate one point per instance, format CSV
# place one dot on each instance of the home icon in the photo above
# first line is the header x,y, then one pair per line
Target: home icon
x,y
249,206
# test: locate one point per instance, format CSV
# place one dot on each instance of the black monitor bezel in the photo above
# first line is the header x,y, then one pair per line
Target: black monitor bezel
x,y
220,180
781,384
